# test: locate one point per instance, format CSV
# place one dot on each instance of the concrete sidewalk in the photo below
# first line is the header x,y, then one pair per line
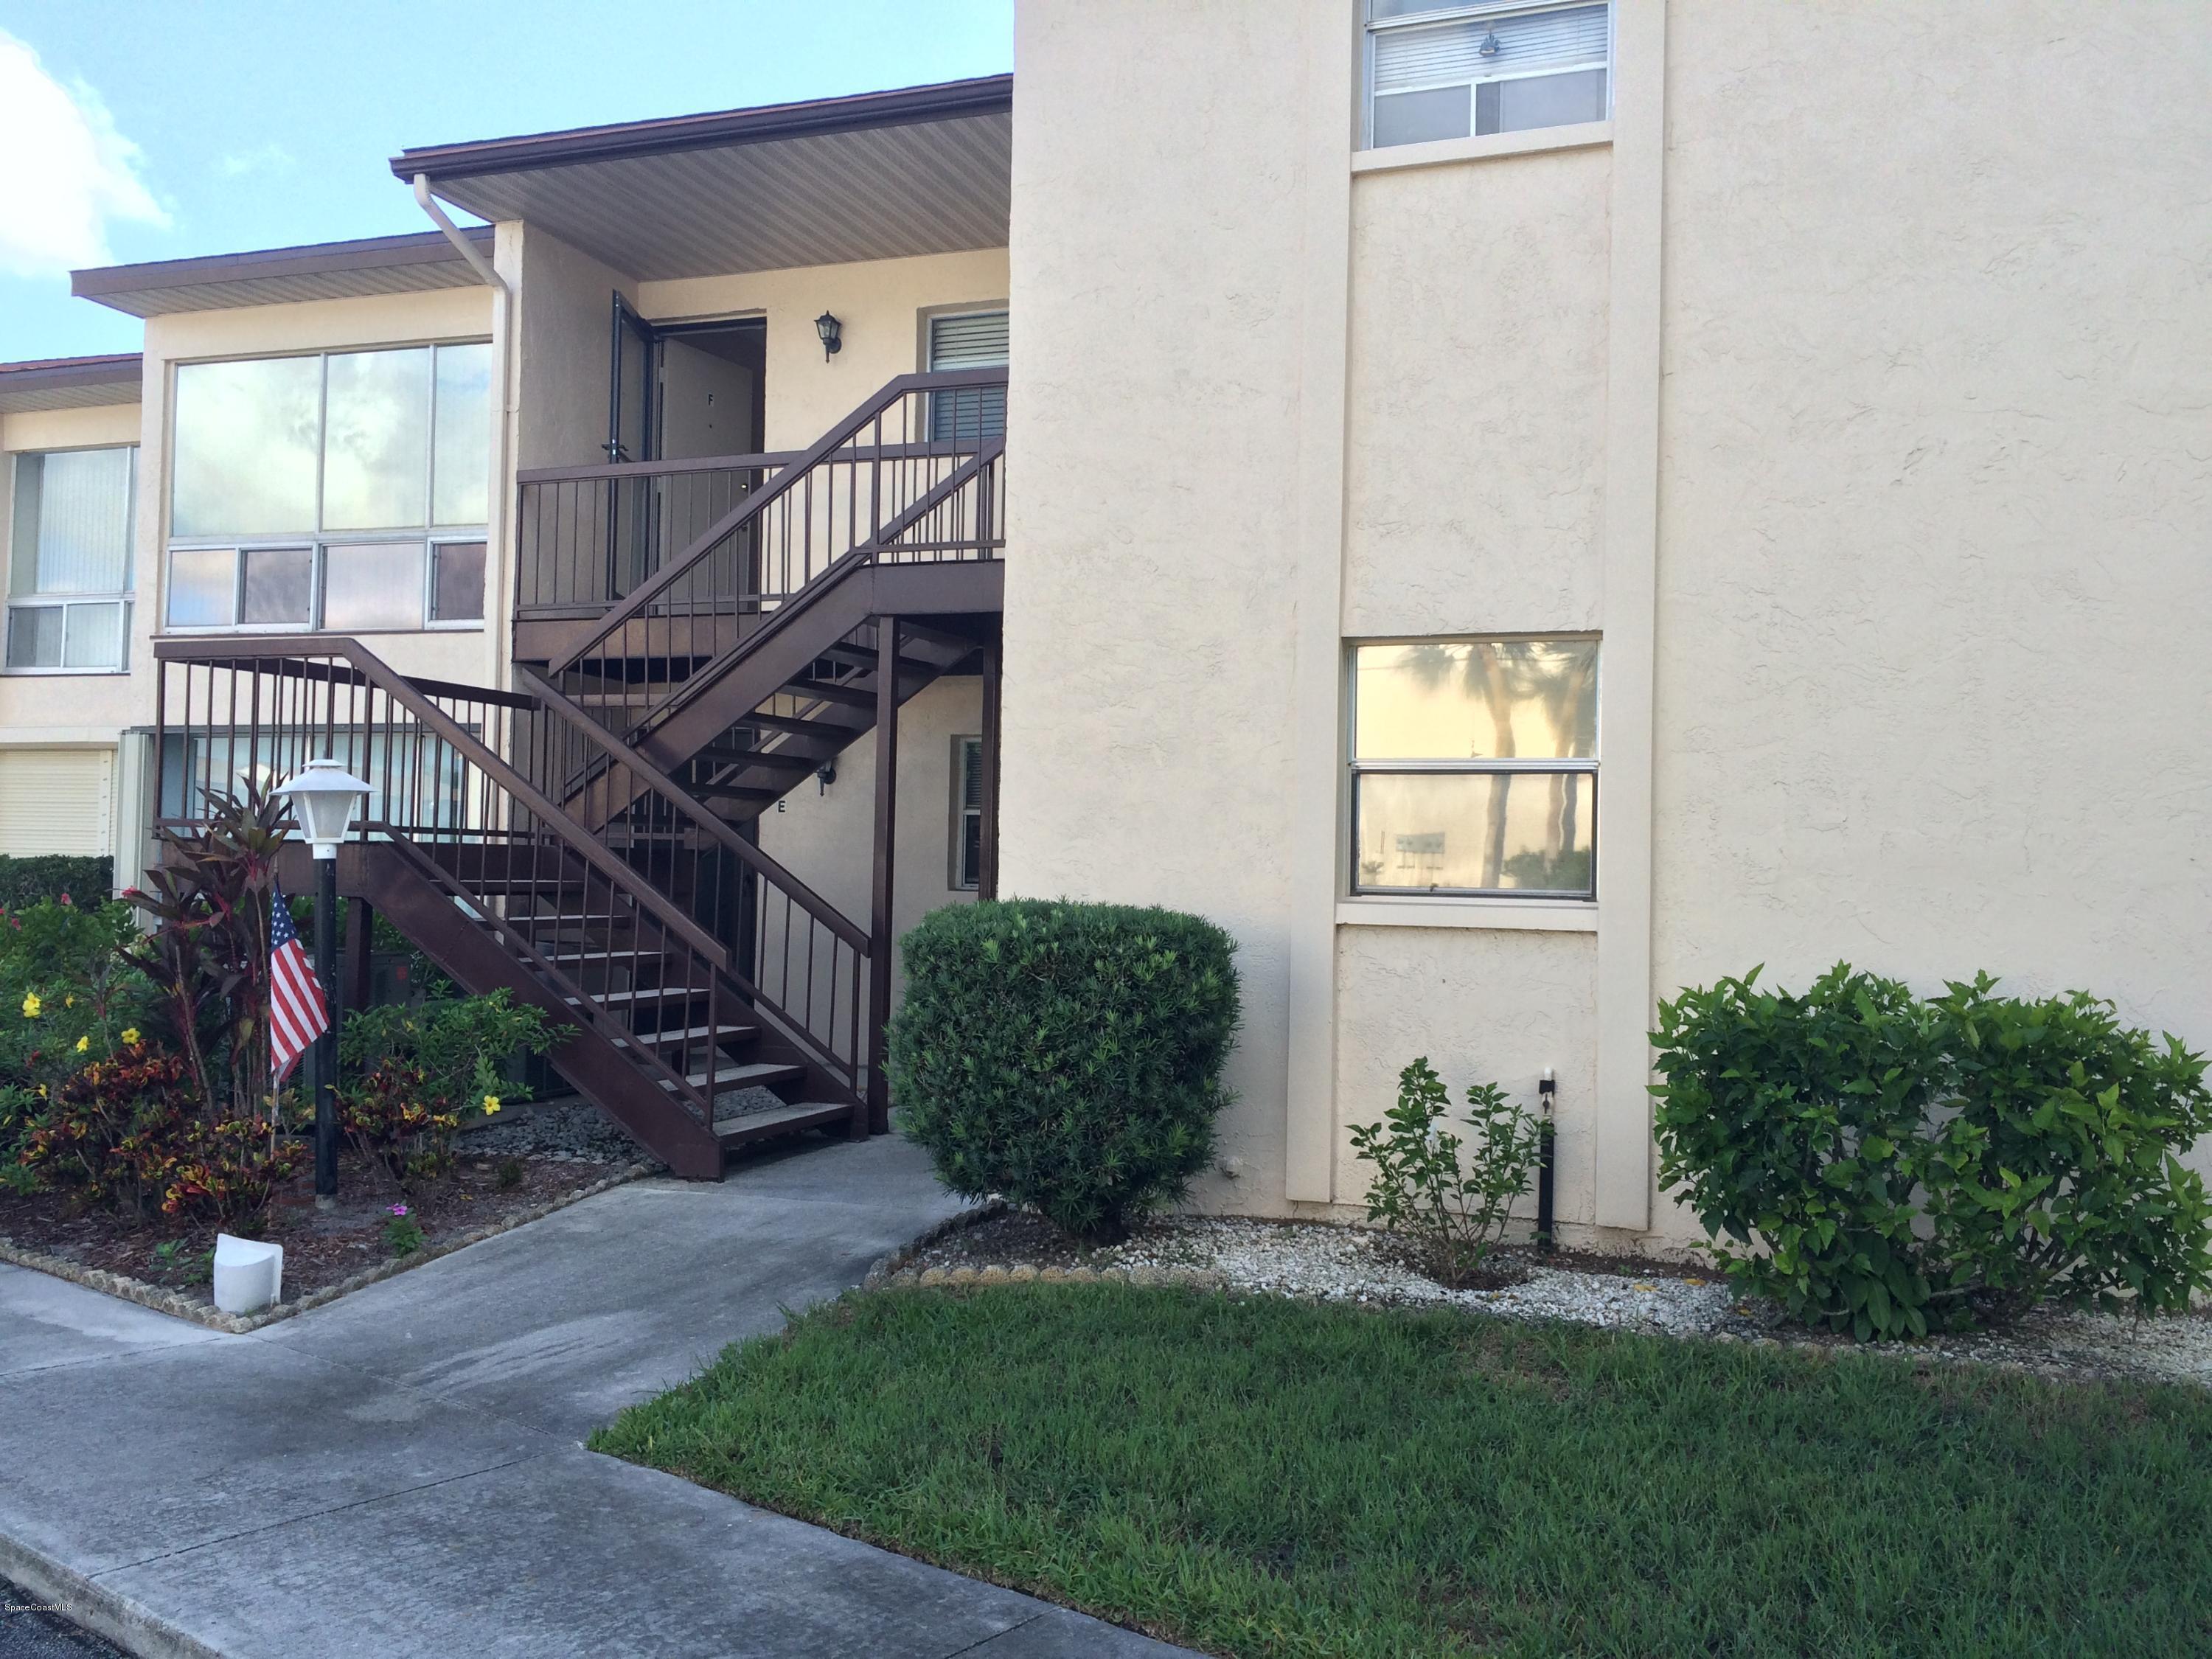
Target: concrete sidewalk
x,y
399,1473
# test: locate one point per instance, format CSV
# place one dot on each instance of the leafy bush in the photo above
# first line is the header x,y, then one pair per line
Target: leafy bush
x,y
52,877
411,1072
1066,1055
1886,1164
68,995
2059,1168
1452,1203
126,1133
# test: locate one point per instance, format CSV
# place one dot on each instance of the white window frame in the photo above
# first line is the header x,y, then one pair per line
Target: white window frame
x,y
963,880
1476,10
122,598
1358,765
318,541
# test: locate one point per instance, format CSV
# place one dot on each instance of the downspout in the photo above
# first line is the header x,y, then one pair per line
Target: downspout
x,y
499,580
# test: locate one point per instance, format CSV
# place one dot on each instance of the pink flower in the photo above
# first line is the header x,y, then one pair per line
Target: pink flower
x,y
399,1209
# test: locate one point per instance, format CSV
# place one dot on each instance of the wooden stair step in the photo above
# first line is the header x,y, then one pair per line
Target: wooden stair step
x,y
853,696
720,756
800,727
752,1074
641,993
788,1119
688,1034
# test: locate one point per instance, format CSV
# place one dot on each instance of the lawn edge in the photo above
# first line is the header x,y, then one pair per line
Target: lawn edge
x,y
163,1300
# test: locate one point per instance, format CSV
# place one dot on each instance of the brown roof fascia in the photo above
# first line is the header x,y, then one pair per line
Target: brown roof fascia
x,y
62,374
948,100
370,253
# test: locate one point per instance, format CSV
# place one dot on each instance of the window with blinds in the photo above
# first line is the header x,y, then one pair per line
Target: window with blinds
x,y
68,564
967,814
970,339
1438,70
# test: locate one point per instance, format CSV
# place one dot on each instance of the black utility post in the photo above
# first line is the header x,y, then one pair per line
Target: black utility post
x,y
324,1060
324,798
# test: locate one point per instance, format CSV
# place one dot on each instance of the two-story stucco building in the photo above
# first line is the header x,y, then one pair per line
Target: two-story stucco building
x,y
1512,509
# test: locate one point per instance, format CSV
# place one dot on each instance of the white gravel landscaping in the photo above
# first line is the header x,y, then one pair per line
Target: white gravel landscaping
x,y
1357,1265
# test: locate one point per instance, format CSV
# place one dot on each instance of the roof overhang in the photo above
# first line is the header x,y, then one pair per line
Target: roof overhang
x,y
279,276
880,175
69,383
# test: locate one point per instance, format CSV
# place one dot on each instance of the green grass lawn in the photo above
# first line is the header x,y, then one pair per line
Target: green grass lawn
x,y
1270,1477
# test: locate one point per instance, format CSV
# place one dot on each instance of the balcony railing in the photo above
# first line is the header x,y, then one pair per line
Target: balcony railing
x,y
590,535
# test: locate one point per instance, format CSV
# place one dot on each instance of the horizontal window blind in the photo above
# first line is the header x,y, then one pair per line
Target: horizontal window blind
x,y
1542,43
977,340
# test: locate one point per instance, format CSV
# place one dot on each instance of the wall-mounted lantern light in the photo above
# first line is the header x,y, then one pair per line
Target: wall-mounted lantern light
x,y
1489,48
832,333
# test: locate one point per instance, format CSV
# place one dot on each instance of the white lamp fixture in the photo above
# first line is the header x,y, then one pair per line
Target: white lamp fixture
x,y
324,796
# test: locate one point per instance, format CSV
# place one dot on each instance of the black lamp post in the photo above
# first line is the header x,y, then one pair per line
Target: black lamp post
x,y
324,796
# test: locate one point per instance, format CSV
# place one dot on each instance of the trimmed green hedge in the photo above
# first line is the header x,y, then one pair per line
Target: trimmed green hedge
x,y
1066,1055
27,881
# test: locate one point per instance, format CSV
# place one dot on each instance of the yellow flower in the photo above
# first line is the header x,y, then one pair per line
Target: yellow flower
x,y
129,1034
30,1004
83,1043
70,1001
490,1105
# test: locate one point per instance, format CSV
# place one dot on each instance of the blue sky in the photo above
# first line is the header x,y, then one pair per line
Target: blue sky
x,y
169,128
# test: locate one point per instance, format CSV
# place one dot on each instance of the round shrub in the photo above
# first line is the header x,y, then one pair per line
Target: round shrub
x,y
1066,1056
1884,1164
1790,1122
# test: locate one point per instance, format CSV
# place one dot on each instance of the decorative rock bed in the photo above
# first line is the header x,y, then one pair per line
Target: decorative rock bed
x,y
994,1245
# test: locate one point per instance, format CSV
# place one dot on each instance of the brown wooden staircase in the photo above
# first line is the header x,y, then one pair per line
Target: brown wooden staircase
x,y
586,839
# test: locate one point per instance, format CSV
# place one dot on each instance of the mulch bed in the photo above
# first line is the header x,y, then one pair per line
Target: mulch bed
x,y
321,1247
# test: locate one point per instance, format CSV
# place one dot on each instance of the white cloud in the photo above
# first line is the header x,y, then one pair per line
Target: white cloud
x,y
270,158
70,173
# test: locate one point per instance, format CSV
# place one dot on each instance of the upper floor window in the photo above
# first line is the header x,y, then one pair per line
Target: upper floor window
x,y
345,491
1438,70
69,576
967,340
1474,767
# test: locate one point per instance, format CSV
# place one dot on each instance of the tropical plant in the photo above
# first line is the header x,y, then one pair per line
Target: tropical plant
x,y
129,1133
412,1072
1066,1055
1452,1198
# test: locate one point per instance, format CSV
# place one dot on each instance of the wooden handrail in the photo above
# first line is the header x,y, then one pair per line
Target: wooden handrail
x,y
286,650
620,755
790,610
764,463
758,501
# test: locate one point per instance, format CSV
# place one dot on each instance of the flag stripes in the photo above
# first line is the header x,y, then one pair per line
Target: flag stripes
x,y
297,1013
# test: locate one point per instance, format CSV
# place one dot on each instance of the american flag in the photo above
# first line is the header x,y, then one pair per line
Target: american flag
x,y
297,1013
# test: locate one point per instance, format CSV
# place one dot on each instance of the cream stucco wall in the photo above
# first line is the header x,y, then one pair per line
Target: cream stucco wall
x,y
1938,498
1158,251
824,836
1475,454
1898,578
880,304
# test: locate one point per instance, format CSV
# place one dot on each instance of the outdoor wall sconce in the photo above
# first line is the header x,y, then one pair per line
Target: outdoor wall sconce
x,y
826,775
832,332
1489,48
